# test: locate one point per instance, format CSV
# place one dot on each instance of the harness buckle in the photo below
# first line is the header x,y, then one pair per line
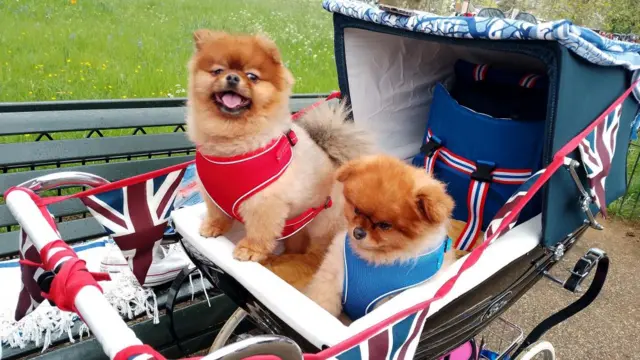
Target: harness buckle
x,y
483,172
328,203
430,147
292,137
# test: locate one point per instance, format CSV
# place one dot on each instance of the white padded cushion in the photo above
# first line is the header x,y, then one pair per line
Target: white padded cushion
x,y
313,322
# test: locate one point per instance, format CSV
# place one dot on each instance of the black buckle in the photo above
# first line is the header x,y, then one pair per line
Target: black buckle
x,y
430,147
44,282
328,203
483,171
582,269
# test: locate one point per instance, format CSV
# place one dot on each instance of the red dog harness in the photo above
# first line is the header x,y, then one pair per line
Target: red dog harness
x,y
231,180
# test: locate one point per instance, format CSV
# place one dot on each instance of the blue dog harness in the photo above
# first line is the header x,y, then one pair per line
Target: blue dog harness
x,y
365,284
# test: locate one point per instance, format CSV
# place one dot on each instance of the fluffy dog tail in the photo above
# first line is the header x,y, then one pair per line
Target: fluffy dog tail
x,y
341,140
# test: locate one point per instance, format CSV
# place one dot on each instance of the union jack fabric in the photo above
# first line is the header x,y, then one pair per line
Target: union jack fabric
x,y
597,150
508,207
30,294
396,342
136,217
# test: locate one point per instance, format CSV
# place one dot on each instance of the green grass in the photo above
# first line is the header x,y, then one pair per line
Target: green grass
x,y
628,207
113,49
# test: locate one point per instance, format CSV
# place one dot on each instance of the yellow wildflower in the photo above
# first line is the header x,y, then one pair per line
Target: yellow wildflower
x,y
68,60
73,2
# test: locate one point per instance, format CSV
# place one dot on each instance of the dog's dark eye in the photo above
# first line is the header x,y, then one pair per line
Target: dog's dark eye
x,y
357,211
217,71
384,225
253,77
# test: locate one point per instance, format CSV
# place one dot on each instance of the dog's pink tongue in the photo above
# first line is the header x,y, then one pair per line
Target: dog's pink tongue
x,y
231,100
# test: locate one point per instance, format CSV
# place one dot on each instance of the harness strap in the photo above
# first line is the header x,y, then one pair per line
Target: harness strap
x,y
482,174
293,225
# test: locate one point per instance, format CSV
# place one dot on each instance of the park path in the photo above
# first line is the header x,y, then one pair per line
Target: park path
x,y
610,327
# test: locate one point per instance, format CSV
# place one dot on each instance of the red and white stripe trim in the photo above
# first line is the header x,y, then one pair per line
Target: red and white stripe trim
x,y
529,81
480,72
502,176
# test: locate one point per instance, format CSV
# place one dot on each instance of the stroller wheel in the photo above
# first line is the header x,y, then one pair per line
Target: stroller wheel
x,y
542,350
228,333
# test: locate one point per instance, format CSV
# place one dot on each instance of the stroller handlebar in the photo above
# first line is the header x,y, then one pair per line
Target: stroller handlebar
x,y
103,320
65,178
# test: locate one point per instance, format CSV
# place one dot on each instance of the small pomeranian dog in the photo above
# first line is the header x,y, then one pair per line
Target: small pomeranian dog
x,y
397,218
254,163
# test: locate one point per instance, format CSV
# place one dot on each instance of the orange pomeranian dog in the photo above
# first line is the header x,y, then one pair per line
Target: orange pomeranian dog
x,y
254,164
397,218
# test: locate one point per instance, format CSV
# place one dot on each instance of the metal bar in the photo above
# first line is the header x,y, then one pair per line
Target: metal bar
x,y
585,198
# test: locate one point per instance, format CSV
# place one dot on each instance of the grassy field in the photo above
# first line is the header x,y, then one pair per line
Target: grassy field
x,y
104,49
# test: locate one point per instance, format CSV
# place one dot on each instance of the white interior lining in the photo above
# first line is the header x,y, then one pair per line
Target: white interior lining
x,y
391,81
313,322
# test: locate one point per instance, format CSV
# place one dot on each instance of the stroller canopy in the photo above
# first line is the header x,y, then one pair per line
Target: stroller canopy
x,y
582,41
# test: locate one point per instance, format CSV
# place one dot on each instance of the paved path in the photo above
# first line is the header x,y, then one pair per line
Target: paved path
x,y
610,327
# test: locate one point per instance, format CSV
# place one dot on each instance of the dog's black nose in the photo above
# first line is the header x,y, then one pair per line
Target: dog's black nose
x,y
233,79
359,233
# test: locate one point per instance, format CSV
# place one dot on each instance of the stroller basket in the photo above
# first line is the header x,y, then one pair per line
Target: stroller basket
x,y
500,337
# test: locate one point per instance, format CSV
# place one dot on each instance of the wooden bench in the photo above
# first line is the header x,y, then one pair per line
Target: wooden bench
x,y
114,140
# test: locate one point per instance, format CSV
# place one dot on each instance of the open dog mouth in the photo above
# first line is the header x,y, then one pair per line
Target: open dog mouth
x,y
231,102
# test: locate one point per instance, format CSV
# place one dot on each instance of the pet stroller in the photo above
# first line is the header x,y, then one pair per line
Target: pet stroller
x,y
522,121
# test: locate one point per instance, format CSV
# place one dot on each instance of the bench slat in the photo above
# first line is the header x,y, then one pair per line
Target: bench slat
x,y
111,171
34,120
71,231
78,120
296,100
49,152
65,208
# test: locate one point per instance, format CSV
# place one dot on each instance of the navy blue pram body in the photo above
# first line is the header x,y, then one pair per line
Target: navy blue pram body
x,y
502,111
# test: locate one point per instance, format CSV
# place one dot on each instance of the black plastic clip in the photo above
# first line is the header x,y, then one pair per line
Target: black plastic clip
x,y
582,269
328,203
44,282
483,172
430,147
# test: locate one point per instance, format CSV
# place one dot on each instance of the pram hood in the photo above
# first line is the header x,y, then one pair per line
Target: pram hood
x,y
582,41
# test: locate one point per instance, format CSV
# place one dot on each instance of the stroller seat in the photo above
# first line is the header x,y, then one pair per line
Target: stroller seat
x,y
310,320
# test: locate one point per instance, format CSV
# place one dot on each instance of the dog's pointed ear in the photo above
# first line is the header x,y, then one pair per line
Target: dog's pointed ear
x,y
432,200
201,36
347,170
270,47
